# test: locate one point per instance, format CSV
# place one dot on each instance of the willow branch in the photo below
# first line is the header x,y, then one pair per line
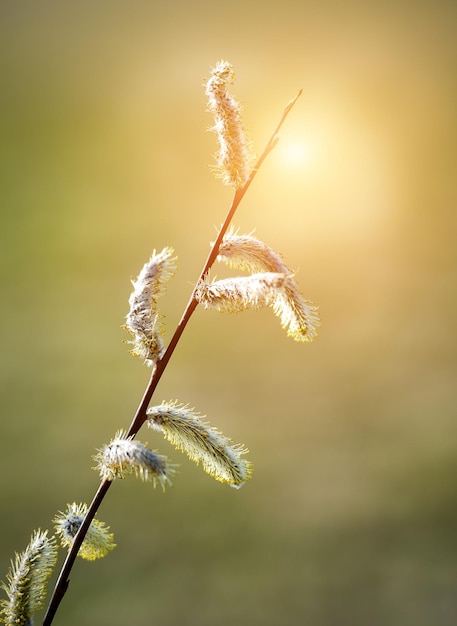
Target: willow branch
x,y
140,416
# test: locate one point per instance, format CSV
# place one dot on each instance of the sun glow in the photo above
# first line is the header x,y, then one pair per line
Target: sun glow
x,y
295,153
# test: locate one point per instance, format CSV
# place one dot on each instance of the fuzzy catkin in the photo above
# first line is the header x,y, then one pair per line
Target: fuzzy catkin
x,y
239,293
143,320
98,541
299,317
234,156
190,433
124,456
27,579
249,254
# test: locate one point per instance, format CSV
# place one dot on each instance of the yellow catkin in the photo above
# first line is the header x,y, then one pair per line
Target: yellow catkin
x,y
190,433
98,541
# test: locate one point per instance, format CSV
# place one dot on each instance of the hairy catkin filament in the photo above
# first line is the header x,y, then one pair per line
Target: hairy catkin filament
x,y
124,456
98,540
234,156
232,295
190,433
299,317
143,320
26,580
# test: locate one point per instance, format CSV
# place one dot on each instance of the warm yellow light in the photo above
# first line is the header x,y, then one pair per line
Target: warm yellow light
x,y
295,153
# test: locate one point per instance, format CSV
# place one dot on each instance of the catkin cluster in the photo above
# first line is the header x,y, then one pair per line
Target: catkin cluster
x,y
267,282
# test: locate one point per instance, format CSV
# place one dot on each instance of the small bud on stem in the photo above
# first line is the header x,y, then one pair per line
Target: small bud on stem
x,y
98,541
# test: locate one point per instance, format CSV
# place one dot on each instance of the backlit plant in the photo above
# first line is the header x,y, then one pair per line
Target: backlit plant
x,y
266,282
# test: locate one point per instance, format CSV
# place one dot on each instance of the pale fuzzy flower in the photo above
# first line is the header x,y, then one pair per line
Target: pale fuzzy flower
x,y
97,542
234,157
299,317
125,456
26,580
188,432
249,254
143,320
232,295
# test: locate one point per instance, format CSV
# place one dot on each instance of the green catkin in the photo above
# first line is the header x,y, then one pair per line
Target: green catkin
x,y
27,579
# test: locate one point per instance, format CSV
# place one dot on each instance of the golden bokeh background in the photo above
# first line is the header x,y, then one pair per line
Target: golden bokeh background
x,y
351,515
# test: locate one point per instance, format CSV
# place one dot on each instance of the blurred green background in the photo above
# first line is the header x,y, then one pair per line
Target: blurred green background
x,y
350,517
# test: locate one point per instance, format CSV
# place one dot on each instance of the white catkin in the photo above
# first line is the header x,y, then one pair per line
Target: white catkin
x,y
234,157
124,456
143,320
242,292
299,317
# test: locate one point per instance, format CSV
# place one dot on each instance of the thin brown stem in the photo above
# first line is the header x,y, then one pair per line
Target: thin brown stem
x,y
140,416
63,580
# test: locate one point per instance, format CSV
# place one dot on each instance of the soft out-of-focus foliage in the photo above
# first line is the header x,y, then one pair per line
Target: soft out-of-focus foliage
x,y
350,515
